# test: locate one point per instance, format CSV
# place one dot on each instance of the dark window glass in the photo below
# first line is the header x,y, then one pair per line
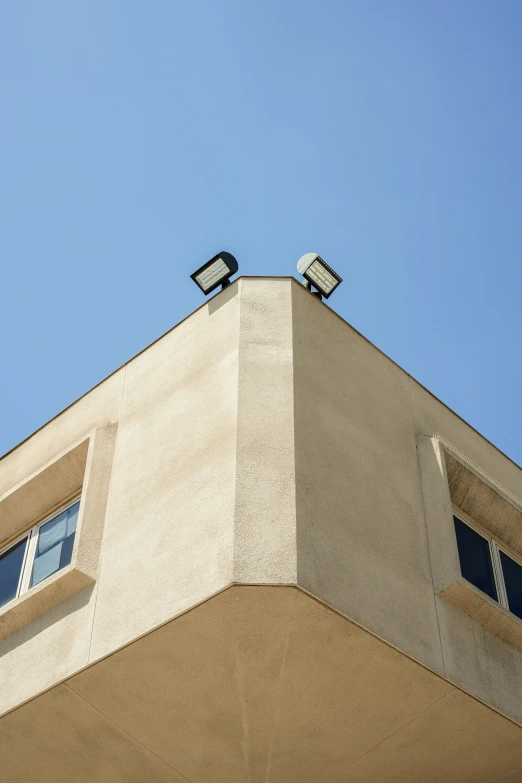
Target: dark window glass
x,y
475,559
513,581
10,568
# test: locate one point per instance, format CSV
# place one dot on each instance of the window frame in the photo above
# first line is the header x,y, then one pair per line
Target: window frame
x,y
31,534
495,547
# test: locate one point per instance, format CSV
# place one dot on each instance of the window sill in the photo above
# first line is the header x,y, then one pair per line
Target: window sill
x,y
42,598
485,611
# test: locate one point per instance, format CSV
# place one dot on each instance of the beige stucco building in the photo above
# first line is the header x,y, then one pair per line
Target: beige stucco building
x,y
264,584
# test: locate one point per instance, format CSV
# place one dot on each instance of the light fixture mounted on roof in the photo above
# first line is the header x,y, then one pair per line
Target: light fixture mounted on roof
x,y
317,273
217,271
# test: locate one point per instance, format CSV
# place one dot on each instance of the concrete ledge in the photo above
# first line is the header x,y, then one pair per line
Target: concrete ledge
x,y
484,610
39,493
42,598
86,466
473,494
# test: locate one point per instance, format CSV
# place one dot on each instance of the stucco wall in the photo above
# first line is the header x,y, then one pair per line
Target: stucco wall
x,y
168,533
264,440
265,538
363,503
474,657
56,644
169,529
361,537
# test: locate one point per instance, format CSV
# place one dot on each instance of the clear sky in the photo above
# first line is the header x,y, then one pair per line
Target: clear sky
x,y
140,138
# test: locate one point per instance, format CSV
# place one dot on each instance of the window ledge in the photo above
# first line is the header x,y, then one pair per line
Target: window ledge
x,y
484,610
42,598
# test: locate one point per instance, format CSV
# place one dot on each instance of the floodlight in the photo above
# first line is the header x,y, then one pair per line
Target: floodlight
x,y
217,271
319,274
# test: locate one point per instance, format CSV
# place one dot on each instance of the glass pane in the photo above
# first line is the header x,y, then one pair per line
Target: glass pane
x,y
513,581
55,544
475,559
10,568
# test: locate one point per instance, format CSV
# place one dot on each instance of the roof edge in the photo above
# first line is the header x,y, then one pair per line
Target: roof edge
x,y
253,277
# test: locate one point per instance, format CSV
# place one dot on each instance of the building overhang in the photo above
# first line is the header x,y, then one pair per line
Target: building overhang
x,y
259,683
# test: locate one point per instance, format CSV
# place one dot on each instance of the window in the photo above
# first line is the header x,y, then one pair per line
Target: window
x,y
38,553
489,566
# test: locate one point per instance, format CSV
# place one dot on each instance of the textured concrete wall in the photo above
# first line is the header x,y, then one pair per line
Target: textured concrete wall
x,y
264,440
168,532
375,534
57,643
474,657
265,539
99,407
361,537
169,529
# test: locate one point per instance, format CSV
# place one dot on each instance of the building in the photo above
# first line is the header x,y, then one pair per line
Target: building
x,y
267,582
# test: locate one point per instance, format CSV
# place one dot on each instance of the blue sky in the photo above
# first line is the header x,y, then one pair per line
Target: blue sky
x,y
139,139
